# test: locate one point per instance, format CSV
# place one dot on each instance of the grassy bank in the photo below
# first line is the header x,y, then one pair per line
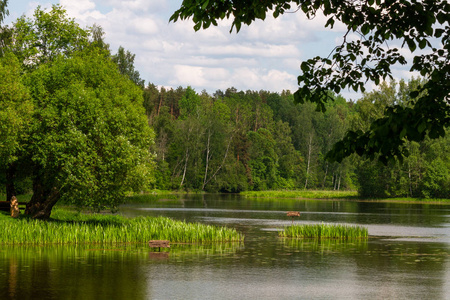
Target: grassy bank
x,y
327,231
302,194
351,195
67,227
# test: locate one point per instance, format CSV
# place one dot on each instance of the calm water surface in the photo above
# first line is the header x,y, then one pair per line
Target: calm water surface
x,y
406,257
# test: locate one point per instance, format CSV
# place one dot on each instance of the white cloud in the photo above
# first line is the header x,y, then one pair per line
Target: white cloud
x,y
79,7
265,55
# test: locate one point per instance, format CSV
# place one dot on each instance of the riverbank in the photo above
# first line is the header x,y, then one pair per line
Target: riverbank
x,y
340,195
302,194
70,227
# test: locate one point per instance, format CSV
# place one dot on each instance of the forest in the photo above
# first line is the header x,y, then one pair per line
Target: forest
x,y
234,141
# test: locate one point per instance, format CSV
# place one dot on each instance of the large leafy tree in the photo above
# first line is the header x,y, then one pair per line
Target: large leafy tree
x,y
90,139
87,139
413,24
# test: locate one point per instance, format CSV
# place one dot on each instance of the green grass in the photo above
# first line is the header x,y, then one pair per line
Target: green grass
x,y
413,200
66,227
302,194
326,231
311,194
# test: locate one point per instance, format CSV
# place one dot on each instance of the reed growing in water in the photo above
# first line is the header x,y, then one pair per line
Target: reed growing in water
x,y
66,227
326,231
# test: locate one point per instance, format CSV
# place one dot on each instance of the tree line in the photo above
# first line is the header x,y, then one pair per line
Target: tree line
x,y
234,141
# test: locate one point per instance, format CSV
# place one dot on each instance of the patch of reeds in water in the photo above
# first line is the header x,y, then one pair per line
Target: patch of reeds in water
x,y
73,228
325,231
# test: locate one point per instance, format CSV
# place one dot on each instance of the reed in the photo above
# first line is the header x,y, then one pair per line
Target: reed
x,y
326,231
302,194
67,227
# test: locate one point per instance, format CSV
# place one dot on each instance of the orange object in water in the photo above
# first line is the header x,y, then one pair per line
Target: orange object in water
x,y
293,214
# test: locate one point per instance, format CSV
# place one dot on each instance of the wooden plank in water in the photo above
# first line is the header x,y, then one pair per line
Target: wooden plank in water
x,y
159,244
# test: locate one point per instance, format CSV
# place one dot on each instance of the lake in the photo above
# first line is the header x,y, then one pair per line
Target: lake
x,y
406,257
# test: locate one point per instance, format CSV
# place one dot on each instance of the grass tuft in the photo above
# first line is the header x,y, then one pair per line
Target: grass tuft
x,y
327,231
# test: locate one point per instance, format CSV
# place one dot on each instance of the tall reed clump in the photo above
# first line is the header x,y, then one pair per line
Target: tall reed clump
x,y
74,228
327,231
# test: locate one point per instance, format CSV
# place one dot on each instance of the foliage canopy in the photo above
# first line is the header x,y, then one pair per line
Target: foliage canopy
x,y
80,130
415,24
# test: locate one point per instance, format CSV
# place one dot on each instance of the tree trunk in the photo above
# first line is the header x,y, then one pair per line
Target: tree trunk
x,y
325,176
221,165
160,103
309,160
185,167
10,177
409,177
42,201
207,160
339,182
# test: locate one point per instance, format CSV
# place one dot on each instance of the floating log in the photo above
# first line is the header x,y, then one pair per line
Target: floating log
x,y
159,244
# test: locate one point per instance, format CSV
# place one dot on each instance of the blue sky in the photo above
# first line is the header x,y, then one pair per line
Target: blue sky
x,y
264,56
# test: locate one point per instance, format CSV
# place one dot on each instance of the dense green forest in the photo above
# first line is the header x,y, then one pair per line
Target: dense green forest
x,y
234,141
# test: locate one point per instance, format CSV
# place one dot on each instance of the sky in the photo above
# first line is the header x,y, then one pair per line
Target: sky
x,y
263,56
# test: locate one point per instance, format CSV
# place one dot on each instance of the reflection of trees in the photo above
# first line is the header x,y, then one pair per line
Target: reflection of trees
x,y
12,278
67,272
93,271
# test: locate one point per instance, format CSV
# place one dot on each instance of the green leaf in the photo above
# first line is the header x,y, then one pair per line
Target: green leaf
x,y
330,23
304,66
422,126
441,17
439,32
403,133
411,44
422,43
365,29
205,4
